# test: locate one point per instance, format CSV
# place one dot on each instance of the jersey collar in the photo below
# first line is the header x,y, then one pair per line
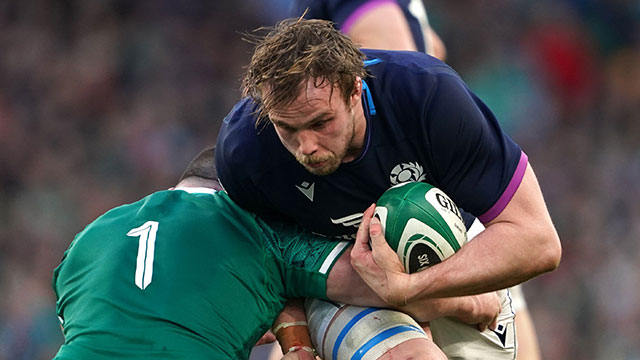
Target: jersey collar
x,y
196,190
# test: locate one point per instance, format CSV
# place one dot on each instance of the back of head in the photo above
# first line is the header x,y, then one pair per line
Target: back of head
x,y
295,51
201,171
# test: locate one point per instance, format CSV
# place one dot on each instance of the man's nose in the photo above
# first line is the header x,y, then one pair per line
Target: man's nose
x,y
308,142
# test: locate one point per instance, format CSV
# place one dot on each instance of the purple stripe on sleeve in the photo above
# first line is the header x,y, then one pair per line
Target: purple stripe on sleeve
x,y
363,9
506,196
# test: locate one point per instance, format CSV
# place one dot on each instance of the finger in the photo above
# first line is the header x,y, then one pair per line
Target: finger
x,y
482,326
494,323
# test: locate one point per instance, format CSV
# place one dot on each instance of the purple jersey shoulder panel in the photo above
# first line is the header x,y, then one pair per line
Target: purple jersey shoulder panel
x,y
507,195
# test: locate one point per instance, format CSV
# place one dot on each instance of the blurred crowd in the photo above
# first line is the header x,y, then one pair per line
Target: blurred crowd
x,y
102,102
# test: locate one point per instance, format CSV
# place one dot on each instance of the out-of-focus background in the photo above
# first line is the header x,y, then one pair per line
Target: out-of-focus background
x,y
102,102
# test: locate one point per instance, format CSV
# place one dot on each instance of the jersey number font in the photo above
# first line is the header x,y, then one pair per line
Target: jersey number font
x,y
146,248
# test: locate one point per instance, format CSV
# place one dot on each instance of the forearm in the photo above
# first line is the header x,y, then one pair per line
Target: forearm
x,y
290,327
346,286
422,309
519,244
471,272
431,309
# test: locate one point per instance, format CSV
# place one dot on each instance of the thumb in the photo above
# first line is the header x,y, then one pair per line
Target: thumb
x,y
383,254
375,232
361,245
362,236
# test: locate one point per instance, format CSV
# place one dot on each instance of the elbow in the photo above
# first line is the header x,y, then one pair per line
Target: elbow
x,y
551,253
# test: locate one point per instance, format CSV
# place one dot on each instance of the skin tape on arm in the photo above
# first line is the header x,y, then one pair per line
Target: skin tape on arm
x,y
352,332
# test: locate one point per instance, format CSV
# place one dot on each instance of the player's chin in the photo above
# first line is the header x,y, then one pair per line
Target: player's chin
x,y
322,168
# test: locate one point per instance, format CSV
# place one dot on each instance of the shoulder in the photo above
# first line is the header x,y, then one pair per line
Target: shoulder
x,y
238,127
241,144
249,157
407,75
406,86
403,65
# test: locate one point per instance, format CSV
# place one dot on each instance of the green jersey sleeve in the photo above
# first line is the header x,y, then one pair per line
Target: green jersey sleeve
x,y
306,258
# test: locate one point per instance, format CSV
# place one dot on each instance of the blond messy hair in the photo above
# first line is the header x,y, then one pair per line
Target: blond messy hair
x,y
294,52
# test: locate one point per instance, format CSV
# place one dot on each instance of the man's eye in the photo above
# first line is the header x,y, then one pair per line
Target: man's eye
x,y
320,124
286,128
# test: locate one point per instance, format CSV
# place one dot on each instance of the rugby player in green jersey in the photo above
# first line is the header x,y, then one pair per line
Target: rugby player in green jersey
x,y
181,274
187,274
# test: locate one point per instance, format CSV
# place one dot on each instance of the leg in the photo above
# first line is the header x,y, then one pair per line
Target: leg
x,y
341,331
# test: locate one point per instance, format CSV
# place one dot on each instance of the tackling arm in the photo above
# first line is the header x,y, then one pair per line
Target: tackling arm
x,y
344,285
291,330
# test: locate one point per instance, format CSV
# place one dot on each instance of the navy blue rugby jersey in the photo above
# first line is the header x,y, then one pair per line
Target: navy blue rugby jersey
x,y
344,13
423,124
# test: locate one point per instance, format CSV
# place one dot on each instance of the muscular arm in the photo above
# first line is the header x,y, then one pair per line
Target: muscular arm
x,y
344,285
520,243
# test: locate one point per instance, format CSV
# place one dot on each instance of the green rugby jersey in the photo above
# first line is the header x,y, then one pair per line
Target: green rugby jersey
x,y
182,275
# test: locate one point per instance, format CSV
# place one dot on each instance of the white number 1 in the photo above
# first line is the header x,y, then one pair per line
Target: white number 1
x,y
146,248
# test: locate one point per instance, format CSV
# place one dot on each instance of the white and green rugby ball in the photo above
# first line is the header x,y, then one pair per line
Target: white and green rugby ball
x,y
421,223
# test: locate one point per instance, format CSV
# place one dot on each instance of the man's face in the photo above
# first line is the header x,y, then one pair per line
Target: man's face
x,y
320,129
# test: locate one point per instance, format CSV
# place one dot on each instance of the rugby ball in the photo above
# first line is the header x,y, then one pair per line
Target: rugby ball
x,y
421,223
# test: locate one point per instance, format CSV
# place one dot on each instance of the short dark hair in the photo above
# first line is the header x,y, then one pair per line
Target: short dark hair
x,y
295,51
202,166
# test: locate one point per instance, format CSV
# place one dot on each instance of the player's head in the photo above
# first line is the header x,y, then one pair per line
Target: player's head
x,y
305,77
201,171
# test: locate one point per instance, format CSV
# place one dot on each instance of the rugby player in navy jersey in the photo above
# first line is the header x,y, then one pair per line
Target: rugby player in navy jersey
x,y
358,123
404,25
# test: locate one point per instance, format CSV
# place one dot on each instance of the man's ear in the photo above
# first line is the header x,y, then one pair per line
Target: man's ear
x,y
357,91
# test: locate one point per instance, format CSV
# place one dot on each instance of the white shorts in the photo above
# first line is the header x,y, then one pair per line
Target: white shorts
x,y
340,331
462,341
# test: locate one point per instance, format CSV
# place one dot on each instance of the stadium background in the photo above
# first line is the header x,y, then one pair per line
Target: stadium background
x,y
102,102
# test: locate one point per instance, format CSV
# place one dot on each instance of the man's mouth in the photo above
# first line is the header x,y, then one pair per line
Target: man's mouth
x,y
316,165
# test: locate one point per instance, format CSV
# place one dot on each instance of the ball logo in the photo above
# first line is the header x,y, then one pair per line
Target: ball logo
x,y
423,260
407,172
420,250
448,204
420,257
